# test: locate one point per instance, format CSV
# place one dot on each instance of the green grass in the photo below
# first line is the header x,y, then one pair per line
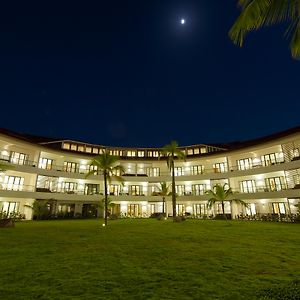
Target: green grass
x,y
146,259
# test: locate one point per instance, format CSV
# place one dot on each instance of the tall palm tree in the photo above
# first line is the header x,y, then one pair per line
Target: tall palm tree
x,y
171,152
222,194
107,166
259,13
163,192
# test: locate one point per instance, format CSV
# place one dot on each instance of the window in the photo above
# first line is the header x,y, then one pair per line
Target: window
x,y
152,208
178,171
88,149
196,170
274,184
114,189
10,207
67,187
190,151
70,167
198,189
80,148
13,183
271,159
248,186
203,150
45,163
279,208
199,209
180,190
136,190
196,151
133,210
141,153
74,147
66,146
153,172
18,158
91,189
180,209
93,168
220,167
155,153
244,164
95,150
131,153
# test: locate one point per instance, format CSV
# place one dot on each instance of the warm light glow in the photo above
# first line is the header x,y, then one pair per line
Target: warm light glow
x,y
182,21
103,225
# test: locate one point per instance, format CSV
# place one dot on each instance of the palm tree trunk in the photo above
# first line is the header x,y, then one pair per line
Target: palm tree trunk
x,y
173,189
223,210
105,198
163,205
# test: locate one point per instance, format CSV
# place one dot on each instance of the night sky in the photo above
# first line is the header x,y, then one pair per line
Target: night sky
x,y
127,73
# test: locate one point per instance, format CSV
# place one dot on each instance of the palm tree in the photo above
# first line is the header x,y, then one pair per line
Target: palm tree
x,y
171,152
163,192
106,165
222,194
259,13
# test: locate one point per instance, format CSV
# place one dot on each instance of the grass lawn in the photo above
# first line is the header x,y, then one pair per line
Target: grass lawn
x,y
146,259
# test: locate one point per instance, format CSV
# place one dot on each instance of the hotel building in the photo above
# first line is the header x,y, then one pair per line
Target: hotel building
x,y
264,172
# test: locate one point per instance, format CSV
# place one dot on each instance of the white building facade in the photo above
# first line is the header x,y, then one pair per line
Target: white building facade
x,y
265,173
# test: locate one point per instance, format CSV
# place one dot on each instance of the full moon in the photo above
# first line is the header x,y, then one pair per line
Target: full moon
x,y
182,21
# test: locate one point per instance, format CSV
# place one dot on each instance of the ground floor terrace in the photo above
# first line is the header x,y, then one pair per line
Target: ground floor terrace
x,y
257,208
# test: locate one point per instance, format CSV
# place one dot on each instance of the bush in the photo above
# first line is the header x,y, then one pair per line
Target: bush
x,y
179,219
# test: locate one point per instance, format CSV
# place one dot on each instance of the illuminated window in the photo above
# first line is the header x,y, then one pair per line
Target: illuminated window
x,y
67,187
153,172
136,190
70,167
18,158
95,151
66,146
141,153
220,167
190,152
133,210
198,189
88,149
13,183
196,170
180,208
155,153
131,153
271,159
74,147
91,189
274,184
199,209
114,189
180,189
196,151
149,153
251,209
248,186
10,207
244,164
80,148
45,163
279,208
178,171
203,150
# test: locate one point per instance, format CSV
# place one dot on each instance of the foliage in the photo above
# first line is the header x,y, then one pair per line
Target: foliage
x,y
171,152
40,209
259,13
16,216
163,192
107,166
222,194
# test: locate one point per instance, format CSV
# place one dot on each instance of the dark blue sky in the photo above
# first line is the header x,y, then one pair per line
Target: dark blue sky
x,y
128,73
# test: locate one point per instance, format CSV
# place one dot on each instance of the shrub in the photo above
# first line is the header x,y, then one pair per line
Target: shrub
x,y
179,219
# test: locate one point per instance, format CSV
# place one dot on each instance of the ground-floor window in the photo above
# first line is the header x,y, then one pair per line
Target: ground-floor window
x,y
89,210
152,208
227,208
10,207
278,208
180,209
199,209
133,210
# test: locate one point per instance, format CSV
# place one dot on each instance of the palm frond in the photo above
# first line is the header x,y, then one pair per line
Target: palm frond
x,y
295,40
